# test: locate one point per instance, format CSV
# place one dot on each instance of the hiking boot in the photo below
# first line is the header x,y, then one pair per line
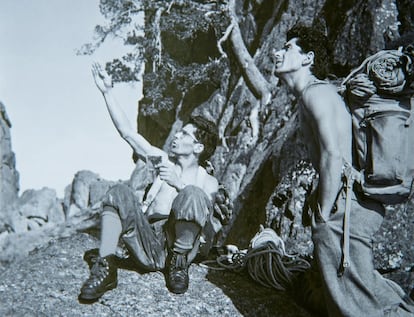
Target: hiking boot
x,y
90,257
177,273
122,257
103,277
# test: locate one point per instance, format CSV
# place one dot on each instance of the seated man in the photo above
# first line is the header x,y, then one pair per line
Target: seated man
x,y
164,231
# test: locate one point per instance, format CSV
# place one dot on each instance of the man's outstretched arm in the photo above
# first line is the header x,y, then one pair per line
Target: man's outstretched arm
x,y
139,144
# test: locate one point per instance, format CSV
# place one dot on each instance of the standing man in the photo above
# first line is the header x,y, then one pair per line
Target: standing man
x,y
178,207
352,287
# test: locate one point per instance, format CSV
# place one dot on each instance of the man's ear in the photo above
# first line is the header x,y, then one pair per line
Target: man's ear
x,y
198,148
309,57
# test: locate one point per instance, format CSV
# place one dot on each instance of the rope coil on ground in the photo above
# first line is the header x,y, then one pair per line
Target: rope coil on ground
x,y
270,268
266,261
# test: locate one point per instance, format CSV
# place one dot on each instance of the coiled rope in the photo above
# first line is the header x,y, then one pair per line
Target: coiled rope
x,y
270,268
266,261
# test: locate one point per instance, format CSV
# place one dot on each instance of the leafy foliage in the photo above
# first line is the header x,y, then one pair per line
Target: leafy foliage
x,y
171,30
123,18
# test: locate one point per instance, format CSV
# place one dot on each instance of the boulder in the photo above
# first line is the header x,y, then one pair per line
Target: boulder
x,y
86,191
35,209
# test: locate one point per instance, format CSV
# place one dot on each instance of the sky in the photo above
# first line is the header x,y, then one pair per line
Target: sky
x,y
60,124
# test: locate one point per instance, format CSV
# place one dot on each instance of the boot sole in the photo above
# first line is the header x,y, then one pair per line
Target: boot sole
x,y
177,291
95,296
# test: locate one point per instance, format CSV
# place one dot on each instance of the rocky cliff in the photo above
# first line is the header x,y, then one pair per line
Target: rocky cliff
x,y
214,58
24,218
9,177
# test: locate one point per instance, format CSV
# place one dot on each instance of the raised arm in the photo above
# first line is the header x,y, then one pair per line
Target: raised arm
x,y
138,143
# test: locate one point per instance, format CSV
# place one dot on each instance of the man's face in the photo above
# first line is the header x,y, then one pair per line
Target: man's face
x,y
184,141
290,58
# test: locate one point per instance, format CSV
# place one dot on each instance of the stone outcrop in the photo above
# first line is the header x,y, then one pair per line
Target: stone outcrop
x,y
29,213
32,220
261,160
84,195
86,191
36,216
9,177
193,65
35,209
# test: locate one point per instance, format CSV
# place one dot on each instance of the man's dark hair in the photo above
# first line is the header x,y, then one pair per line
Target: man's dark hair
x,y
313,39
206,134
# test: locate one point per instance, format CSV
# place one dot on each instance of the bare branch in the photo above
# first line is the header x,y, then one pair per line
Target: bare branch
x,y
158,43
255,121
223,39
169,6
254,78
177,125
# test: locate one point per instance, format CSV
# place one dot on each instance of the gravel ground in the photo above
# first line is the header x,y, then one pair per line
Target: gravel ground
x,y
48,281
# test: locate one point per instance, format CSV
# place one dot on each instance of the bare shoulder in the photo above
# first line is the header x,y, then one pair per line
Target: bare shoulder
x,y
321,98
210,184
320,92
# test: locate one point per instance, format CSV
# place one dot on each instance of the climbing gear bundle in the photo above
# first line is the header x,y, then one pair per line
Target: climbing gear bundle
x,y
266,261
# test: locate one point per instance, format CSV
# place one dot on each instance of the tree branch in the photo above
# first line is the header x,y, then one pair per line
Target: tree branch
x,y
253,77
224,38
158,43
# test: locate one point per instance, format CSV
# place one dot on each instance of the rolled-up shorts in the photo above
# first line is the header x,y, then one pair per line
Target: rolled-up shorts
x,y
148,241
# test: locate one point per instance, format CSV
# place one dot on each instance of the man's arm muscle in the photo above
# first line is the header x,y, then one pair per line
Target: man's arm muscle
x,y
139,144
321,104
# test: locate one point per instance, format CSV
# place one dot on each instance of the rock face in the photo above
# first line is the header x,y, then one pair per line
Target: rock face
x,y
35,209
261,161
9,177
22,219
199,57
36,216
86,191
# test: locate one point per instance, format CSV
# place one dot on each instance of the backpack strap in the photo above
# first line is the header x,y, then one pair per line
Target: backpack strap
x,y
152,192
312,83
351,175
410,118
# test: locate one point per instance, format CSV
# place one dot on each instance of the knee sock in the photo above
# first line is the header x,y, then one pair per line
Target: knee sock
x,y
186,233
111,229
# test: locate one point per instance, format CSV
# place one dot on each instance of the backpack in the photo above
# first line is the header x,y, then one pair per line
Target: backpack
x,y
380,100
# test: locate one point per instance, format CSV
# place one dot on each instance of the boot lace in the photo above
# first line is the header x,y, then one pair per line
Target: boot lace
x,y
178,267
99,272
